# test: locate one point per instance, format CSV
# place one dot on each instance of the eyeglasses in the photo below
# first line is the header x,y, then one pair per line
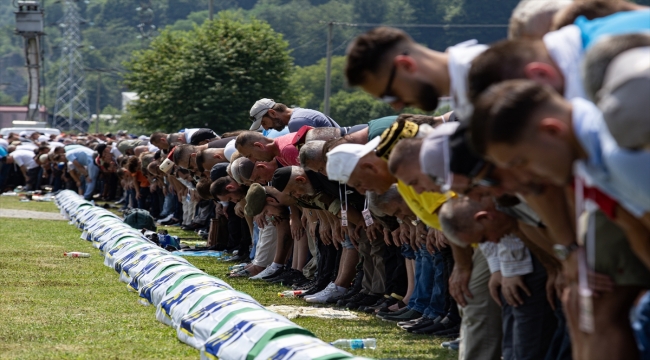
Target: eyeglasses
x,y
254,117
388,96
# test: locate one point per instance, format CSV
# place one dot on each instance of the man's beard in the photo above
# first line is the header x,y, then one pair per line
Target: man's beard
x,y
427,96
278,125
199,161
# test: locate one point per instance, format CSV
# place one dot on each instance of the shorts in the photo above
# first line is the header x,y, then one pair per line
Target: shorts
x,y
615,257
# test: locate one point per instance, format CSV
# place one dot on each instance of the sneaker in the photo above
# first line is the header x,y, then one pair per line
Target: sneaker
x,y
287,278
266,272
451,345
364,301
277,272
410,323
320,297
306,286
318,287
300,282
166,218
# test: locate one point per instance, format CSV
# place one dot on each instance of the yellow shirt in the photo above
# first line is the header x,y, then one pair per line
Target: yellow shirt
x,y
424,205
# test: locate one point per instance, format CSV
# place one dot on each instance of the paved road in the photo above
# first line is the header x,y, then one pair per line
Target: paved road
x,y
28,214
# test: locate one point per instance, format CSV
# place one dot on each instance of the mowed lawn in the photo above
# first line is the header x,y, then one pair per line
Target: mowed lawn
x,y
57,307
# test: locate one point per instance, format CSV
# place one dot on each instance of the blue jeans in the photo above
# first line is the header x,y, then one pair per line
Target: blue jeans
x,y
438,295
93,174
256,237
424,278
168,205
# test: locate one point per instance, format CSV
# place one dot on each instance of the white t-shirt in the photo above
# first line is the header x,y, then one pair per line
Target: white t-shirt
x,y
460,62
565,48
54,145
115,151
4,144
188,134
24,158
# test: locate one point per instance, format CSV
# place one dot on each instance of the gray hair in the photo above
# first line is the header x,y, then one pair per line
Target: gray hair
x,y
376,201
323,133
533,17
456,216
598,58
311,151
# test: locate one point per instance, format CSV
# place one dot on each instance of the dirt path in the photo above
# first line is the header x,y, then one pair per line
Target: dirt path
x,y
28,214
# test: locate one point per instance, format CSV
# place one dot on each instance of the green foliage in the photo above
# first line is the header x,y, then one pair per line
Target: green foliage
x,y
357,108
309,81
209,76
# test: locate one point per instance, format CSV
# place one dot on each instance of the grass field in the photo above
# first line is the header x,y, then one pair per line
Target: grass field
x,y
57,307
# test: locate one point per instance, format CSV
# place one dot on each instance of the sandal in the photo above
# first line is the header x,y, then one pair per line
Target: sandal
x,y
239,274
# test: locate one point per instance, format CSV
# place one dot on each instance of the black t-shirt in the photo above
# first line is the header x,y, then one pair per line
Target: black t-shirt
x,y
221,143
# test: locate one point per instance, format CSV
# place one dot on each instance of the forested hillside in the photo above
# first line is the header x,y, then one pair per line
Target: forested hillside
x,y
110,35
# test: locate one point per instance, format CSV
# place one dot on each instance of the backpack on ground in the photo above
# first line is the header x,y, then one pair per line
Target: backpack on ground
x,y
140,219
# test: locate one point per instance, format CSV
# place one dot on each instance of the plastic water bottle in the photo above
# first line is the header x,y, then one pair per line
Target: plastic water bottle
x,y
290,293
76,254
355,344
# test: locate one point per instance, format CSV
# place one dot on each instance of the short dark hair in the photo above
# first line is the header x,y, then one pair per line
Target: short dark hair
x,y
249,137
366,53
157,136
280,107
218,187
504,60
502,113
203,189
183,151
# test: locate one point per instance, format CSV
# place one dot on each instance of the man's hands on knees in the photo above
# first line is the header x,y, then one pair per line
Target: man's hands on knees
x,y
510,287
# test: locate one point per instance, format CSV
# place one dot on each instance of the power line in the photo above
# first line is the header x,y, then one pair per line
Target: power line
x,y
417,25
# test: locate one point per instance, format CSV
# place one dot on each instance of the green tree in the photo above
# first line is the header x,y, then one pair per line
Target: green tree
x,y
357,108
209,76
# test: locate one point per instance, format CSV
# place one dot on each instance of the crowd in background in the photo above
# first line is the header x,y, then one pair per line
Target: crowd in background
x,y
519,222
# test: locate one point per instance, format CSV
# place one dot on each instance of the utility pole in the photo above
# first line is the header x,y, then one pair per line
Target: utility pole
x,y
29,24
211,2
328,73
71,98
99,89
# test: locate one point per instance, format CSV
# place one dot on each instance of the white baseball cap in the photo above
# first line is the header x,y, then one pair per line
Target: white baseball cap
x,y
434,154
258,111
342,160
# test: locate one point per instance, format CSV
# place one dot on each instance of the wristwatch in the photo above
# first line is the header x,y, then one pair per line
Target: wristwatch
x,y
563,252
